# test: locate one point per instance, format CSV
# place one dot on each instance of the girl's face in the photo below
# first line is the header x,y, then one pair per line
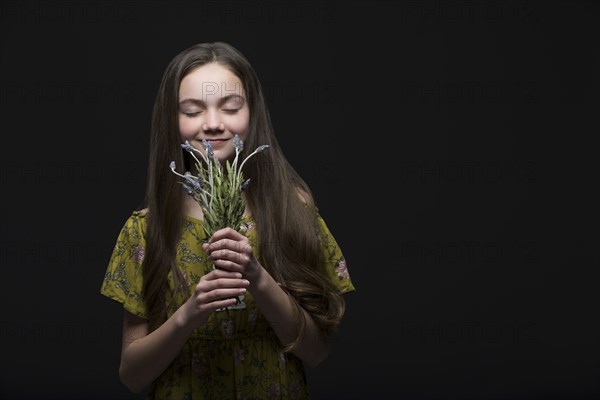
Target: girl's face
x,y
212,106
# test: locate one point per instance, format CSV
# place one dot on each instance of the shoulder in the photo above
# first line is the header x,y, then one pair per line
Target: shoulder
x,y
305,197
141,213
135,225
308,201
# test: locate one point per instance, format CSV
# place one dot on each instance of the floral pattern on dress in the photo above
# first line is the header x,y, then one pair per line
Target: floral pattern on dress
x,y
341,270
236,354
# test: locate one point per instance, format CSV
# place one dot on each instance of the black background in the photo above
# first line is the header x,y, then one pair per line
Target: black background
x,y
449,146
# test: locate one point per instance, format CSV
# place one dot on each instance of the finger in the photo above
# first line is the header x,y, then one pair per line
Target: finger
x,y
207,285
216,305
229,255
221,274
239,246
226,233
203,305
224,243
219,295
228,265
222,294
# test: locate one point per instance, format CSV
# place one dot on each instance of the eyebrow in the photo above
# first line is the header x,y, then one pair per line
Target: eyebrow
x,y
221,101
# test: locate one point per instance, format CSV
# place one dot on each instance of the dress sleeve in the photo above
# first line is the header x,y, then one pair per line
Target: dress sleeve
x,y
123,279
335,263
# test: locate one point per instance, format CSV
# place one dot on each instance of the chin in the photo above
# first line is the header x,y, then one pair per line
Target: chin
x,y
224,156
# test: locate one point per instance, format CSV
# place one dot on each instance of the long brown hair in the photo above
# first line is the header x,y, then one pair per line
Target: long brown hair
x,y
289,246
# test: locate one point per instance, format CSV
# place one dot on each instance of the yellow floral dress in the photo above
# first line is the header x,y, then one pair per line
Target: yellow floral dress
x,y
236,354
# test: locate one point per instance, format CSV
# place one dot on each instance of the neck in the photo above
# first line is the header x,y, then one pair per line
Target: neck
x,y
192,208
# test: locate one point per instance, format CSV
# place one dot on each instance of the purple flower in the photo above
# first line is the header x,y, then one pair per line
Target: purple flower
x,y
187,146
188,189
208,147
238,143
245,185
193,182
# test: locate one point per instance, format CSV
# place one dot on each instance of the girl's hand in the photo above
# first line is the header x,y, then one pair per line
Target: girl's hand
x,y
216,290
231,251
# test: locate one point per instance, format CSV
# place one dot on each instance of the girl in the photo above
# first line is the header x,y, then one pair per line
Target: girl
x,y
177,341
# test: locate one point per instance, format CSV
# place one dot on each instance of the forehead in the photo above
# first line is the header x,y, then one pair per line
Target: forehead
x,y
210,81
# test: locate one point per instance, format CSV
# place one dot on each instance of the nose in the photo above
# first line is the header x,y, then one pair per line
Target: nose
x,y
213,122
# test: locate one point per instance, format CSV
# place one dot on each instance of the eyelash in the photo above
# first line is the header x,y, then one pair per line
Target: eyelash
x,y
228,111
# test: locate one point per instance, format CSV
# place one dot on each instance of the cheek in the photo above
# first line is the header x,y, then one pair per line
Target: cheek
x,y
240,124
188,128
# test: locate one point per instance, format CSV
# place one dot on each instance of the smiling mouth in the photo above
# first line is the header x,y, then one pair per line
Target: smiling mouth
x,y
217,142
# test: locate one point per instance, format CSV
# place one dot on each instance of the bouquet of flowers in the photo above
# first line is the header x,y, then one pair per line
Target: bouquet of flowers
x,y
218,189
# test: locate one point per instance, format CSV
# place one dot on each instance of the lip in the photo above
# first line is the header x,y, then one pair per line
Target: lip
x,y
217,142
